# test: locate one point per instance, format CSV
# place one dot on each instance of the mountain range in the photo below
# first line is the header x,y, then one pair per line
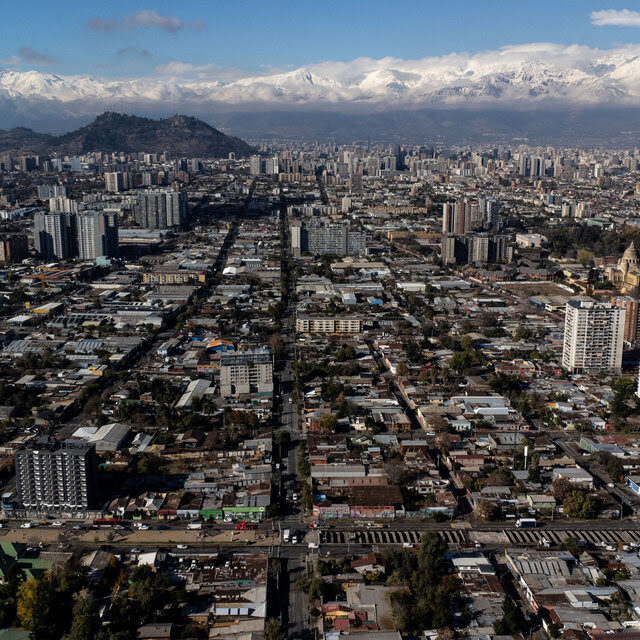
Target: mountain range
x,y
534,79
109,132
535,73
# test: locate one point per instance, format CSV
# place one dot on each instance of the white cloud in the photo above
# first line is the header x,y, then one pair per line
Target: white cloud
x,y
613,17
147,19
132,50
532,74
202,72
28,55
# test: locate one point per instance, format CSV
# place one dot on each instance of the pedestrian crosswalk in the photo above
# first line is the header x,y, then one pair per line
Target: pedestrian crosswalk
x,y
518,537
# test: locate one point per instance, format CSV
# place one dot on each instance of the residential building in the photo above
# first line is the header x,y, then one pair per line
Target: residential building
x,y
593,336
13,248
161,209
48,191
246,372
327,239
55,474
97,235
632,308
53,235
327,324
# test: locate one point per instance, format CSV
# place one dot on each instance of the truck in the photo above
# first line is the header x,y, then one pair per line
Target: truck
x,y
194,525
526,523
286,534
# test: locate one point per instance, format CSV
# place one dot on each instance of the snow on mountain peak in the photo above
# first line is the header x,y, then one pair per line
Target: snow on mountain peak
x,y
528,74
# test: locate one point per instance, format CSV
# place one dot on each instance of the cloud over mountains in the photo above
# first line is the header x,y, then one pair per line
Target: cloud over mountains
x,y
531,76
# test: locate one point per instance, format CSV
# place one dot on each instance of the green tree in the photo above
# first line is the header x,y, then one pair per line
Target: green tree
x,y
150,591
461,361
580,504
571,543
304,468
414,352
345,353
273,630
150,464
509,624
282,438
430,556
85,620
31,603
328,422
306,497
501,477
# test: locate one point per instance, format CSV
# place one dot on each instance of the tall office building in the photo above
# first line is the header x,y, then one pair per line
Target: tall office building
x,y
55,475
54,235
97,235
161,209
593,336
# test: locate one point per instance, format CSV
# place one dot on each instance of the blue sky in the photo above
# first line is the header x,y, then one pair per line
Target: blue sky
x,y
125,39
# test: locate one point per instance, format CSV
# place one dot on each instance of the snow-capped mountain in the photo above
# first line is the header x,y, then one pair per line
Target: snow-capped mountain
x,y
533,75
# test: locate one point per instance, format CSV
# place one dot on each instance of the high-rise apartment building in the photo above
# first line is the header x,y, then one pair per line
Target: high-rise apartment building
x,y
113,182
593,336
63,205
246,372
13,248
632,310
492,214
161,209
97,235
255,165
54,235
55,474
259,165
48,191
461,217
327,239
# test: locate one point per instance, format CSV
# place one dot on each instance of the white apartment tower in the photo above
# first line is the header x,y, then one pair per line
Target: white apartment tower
x,y
97,235
161,209
593,336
